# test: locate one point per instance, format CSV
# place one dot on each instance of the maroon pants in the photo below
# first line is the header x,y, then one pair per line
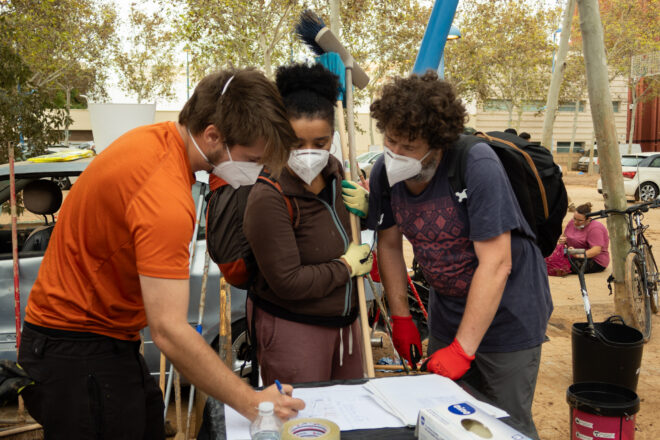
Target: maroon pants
x,y
295,353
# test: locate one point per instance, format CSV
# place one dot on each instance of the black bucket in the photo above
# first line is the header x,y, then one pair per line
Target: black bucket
x,y
602,410
613,356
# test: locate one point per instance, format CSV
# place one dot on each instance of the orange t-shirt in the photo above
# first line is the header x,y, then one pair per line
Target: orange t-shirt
x,y
130,212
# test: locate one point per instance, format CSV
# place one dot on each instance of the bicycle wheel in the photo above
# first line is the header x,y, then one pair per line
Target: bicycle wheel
x,y
641,304
651,278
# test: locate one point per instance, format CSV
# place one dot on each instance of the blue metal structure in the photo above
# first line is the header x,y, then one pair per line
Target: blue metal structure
x,y
435,36
454,34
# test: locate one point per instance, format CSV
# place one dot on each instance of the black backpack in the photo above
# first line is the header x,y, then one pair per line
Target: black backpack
x,y
228,247
535,178
226,243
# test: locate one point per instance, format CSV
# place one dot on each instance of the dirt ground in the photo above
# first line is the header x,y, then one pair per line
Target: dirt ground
x,y
550,410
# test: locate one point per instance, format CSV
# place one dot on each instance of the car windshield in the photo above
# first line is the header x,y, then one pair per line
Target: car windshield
x,y
630,161
366,156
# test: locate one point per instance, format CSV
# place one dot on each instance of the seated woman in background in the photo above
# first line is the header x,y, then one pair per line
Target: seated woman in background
x,y
584,233
303,302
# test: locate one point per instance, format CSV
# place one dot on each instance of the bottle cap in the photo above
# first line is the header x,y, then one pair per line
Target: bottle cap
x,y
266,407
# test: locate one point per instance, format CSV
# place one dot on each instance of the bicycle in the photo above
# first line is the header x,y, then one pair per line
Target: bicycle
x,y
641,270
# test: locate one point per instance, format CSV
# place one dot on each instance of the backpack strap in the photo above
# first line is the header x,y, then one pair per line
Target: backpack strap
x,y
530,163
456,162
267,178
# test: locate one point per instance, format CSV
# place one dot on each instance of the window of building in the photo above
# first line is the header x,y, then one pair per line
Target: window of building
x,y
570,106
533,106
564,147
615,106
496,105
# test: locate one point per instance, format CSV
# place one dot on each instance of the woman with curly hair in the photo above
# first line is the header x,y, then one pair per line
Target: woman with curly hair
x,y
303,303
490,300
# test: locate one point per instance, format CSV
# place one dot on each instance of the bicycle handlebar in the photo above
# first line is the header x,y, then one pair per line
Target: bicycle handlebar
x,y
643,207
576,252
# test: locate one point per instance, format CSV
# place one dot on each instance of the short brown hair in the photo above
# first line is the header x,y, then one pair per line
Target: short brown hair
x,y
251,108
584,209
421,107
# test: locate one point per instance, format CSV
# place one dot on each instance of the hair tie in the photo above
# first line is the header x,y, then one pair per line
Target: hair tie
x,y
224,89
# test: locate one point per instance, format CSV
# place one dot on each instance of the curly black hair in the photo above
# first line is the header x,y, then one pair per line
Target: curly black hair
x,y
308,91
421,107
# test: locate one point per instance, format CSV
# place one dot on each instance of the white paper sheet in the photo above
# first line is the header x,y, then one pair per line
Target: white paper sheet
x,y
388,402
349,406
405,396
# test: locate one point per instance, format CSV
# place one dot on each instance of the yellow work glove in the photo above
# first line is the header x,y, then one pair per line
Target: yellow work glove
x,y
359,259
355,198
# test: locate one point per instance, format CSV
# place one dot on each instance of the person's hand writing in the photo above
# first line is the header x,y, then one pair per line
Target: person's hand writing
x,y
286,406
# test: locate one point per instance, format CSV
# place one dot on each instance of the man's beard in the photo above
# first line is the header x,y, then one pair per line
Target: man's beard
x,y
428,170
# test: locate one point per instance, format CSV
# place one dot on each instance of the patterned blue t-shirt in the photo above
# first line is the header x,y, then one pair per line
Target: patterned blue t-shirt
x,y
442,227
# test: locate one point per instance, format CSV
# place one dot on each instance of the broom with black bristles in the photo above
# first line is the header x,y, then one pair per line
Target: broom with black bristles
x,y
321,40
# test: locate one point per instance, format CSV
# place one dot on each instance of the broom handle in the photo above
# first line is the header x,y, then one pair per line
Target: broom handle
x,y
342,133
355,227
224,337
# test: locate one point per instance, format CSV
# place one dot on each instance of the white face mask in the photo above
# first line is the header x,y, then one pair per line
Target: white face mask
x,y
233,172
307,164
400,168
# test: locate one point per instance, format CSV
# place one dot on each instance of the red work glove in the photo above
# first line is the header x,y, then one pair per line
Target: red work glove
x,y
451,361
405,334
375,275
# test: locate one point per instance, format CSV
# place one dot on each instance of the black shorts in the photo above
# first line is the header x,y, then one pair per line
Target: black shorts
x,y
91,387
592,266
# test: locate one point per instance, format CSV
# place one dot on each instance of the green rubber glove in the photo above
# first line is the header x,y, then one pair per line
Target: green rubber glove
x,y
354,257
355,197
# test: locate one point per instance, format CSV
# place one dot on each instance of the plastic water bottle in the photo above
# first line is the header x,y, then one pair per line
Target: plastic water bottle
x,y
267,425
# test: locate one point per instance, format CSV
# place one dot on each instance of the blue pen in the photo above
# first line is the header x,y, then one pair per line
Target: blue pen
x,y
279,386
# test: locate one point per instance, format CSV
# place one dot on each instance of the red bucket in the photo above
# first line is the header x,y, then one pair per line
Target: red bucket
x,y
602,411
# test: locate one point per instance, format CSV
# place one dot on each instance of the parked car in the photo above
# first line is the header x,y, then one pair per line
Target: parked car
x,y
641,176
366,161
29,262
583,162
624,149
63,181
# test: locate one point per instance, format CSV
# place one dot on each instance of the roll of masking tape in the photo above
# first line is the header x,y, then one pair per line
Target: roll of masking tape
x,y
310,428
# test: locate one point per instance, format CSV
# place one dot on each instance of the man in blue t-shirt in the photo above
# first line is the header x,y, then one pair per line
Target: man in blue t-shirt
x,y
490,300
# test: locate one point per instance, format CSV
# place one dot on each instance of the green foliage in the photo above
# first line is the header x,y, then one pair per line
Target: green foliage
x,y
77,102
505,51
238,33
146,62
65,43
25,110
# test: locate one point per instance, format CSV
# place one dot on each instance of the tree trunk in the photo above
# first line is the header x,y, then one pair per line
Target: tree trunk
x,y
602,114
557,76
520,112
335,23
371,122
592,144
572,146
510,106
68,112
632,119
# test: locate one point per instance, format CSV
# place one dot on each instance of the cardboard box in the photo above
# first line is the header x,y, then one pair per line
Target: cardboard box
x,y
462,421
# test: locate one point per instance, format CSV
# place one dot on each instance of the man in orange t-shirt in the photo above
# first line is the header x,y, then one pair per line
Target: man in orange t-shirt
x,y
118,261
